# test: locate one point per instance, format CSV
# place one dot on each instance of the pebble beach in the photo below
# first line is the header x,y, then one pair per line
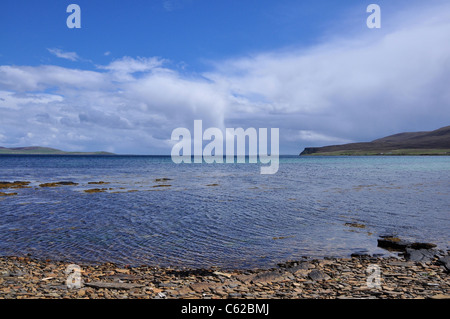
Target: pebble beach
x,y
328,278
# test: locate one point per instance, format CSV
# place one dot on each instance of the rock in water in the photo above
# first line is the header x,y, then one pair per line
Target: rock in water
x,y
397,244
392,243
422,245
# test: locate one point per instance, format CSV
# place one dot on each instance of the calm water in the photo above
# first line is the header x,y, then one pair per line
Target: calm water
x,y
244,220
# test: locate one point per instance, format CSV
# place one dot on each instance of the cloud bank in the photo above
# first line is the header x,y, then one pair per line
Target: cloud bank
x,y
345,89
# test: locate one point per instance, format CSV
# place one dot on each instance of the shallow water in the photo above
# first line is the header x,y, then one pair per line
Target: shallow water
x,y
226,215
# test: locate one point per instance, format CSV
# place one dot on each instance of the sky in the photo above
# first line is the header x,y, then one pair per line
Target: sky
x,y
138,69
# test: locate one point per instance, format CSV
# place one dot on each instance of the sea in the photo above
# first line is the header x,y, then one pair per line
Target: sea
x,y
147,210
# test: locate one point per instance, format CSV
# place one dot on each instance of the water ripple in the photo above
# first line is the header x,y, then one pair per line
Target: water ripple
x,y
219,215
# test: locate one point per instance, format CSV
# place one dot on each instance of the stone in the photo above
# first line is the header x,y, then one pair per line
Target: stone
x,y
218,273
318,275
112,285
166,285
269,276
422,255
440,296
7,194
445,261
401,263
95,190
203,286
392,243
397,244
422,245
58,184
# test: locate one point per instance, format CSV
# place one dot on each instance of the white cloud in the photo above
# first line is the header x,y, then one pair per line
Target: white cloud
x,y
27,78
316,137
13,100
72,56
124,68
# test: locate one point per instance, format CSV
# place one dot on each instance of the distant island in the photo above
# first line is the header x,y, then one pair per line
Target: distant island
x,y
435,142
38,150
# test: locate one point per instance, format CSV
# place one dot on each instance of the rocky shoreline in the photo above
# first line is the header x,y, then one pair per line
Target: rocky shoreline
x,y
329,278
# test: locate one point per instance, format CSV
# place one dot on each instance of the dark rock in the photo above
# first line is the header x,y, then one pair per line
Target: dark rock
x,y
397,244
422,246
95,190
392,243
58,184
423,255
163,179
7,194
360,255
269,276
16,184
317,275
445,261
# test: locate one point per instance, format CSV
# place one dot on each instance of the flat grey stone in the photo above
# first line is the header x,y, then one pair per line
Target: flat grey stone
x,y
317,275
422,255
269,276
445,261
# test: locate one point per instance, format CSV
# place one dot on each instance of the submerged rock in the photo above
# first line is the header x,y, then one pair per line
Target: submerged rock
x,y
95,190
392,243
98,183
7,194
397,244
16,184
422,245
357,225
58,184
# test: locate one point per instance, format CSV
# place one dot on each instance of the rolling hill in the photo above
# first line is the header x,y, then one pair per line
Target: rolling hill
x,y
435,142
38,150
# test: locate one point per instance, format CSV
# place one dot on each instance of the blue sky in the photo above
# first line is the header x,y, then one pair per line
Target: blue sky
x,y
189,31
138,69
